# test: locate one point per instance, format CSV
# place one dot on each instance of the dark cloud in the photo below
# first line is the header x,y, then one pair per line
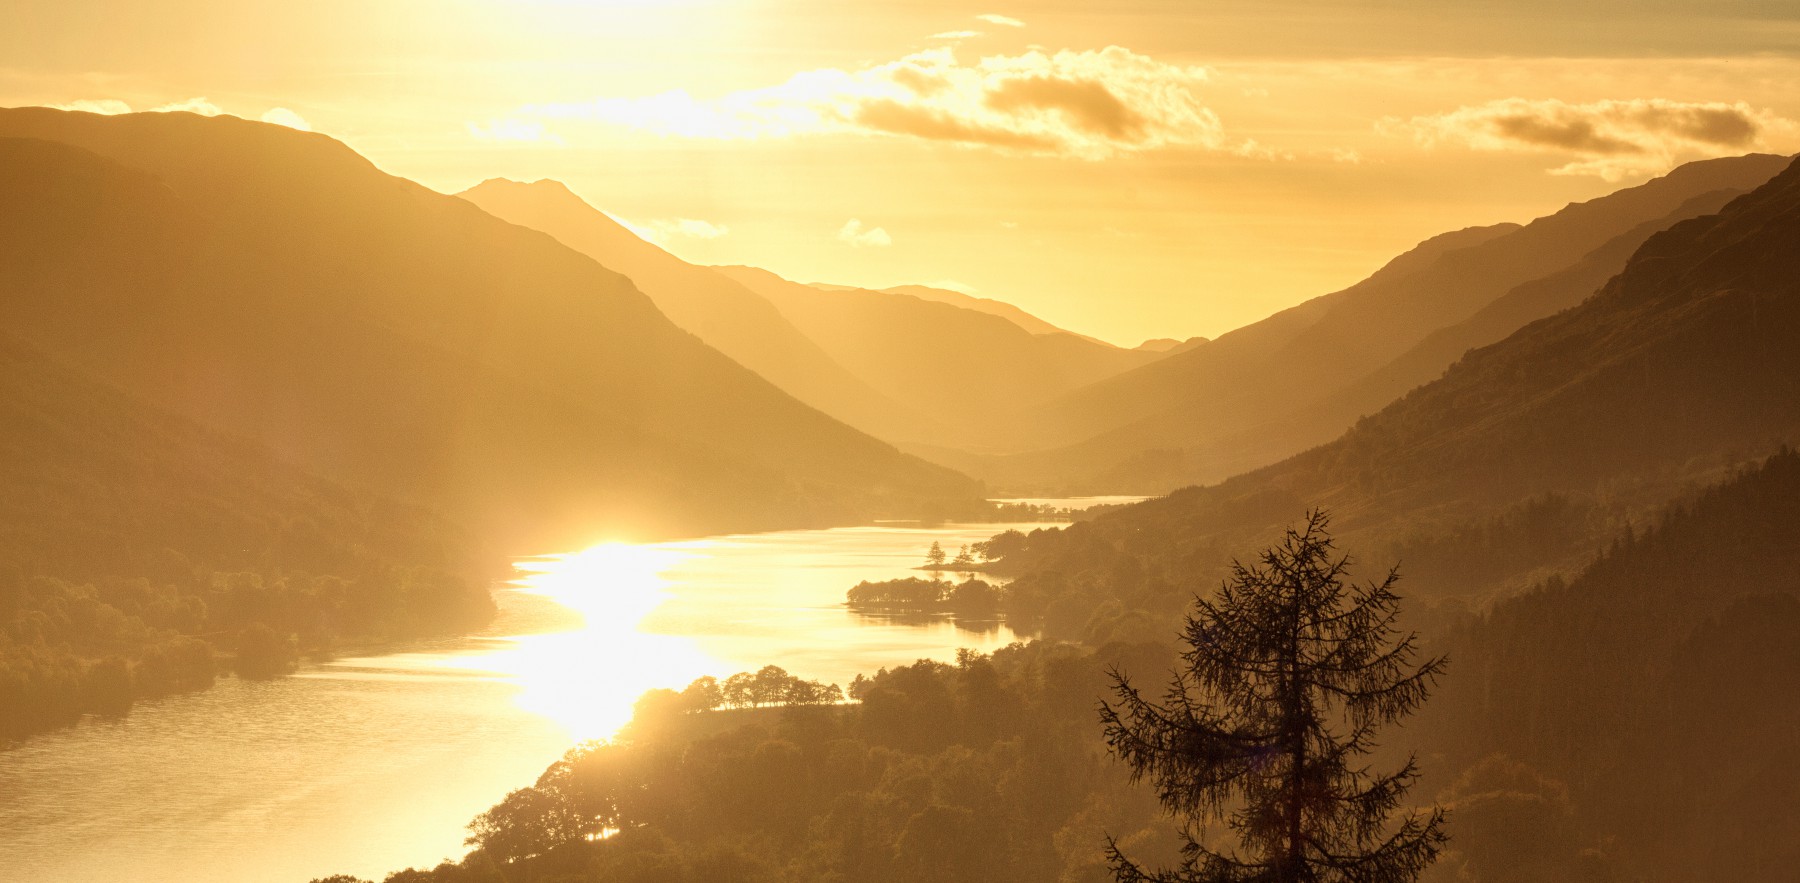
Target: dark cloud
x,y
1724,126
1089,105
887,115
1612,138
1578,135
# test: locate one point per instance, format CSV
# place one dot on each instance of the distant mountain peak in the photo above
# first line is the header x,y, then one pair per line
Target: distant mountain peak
x,y
1169,344
545,186
1008,311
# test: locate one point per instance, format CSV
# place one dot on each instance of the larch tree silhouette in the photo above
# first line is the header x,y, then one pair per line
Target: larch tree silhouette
x,y
1285,680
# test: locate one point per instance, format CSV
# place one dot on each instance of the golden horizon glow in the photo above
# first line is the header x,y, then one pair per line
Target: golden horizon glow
x,y
1167,171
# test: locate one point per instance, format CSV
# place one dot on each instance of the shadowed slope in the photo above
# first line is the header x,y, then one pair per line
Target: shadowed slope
x,y
970,368
724,314
917,365
275,284
979,304
135,546
1681,366
1299,377
1645,684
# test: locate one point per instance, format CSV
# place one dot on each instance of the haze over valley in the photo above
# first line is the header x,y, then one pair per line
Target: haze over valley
x,y
651,442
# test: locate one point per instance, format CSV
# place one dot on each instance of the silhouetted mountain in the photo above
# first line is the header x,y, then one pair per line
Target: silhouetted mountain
x,y
718,310
1525,452
981,305
1305,374
1169,345
274,284
1507,314
972,369
922,366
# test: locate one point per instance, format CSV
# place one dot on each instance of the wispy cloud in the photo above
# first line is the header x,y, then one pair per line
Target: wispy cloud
x,y
200,106
1002,20
854,233
955,35
1610,139
513,130
1089,104
113,106
281,116
106,106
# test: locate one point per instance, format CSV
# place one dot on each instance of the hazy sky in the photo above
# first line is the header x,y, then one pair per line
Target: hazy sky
x,y
1126,169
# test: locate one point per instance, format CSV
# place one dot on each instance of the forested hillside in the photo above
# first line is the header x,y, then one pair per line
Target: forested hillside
x,y
1646,699
139,552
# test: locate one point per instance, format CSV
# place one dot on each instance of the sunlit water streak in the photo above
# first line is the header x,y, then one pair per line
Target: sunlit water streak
x,y
367,765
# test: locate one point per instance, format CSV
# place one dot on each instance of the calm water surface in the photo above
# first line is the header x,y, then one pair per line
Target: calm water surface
x,y
368,765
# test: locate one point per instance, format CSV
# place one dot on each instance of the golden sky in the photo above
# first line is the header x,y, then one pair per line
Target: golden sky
x,y
1128,169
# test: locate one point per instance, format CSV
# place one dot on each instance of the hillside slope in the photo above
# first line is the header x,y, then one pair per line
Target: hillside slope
x,y
972,369
1188,447
1525,452
276,285
923,367
1302,376
136,546
987,305
1643,685
718,310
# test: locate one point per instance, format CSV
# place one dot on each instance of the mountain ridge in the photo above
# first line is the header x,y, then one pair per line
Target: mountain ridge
x,y
728,316
523,387
1679,370
1276,369
973,367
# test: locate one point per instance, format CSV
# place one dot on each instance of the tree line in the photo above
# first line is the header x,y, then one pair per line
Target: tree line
x,y
996,769
770,685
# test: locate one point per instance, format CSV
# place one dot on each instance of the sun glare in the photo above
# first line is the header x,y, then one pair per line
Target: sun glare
x,y
611,581
588,679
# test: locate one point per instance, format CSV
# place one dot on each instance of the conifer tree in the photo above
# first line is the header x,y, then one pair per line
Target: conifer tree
x,y
1286,677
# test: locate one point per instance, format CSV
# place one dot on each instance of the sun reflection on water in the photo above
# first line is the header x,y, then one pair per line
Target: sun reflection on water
x,y
587,679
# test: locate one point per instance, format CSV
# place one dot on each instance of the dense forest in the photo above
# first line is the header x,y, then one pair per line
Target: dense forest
x,y
1643,707
142,554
